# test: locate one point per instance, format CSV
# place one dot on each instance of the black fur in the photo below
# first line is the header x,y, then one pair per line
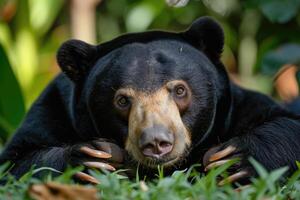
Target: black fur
x,y
77,106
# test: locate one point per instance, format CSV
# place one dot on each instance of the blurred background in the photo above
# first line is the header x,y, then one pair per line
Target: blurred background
x,y
261,36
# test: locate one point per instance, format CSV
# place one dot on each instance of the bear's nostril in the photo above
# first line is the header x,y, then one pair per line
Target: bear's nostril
x,y
164,144
149,146
157,149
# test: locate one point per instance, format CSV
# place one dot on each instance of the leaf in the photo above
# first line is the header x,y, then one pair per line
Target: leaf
x,y
298,164
43,13
4,169
277,174
280,11
285,54
293,178
261,171
11,101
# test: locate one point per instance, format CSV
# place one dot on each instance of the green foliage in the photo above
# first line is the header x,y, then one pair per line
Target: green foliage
x,y
22,58
188,184
28,38
11,101
43,13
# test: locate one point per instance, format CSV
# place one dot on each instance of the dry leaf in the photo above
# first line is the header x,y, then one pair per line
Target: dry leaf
x,y
56,191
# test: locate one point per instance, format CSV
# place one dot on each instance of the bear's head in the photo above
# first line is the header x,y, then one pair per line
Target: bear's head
x,y
157,94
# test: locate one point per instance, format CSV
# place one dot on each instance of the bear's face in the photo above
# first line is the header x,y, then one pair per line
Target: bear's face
x,y
152,92
153,97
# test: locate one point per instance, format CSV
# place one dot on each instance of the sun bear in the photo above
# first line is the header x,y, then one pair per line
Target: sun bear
x,y
148,99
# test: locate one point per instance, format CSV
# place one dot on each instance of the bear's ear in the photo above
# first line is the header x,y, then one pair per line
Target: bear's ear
x,y
75,58
207,35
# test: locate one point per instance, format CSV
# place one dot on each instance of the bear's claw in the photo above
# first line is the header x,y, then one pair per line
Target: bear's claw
x,y
223,153
215,164
94,153
85,177
99,165
234,177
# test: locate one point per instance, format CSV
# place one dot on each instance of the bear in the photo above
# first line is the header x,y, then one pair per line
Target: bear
x,y
151,99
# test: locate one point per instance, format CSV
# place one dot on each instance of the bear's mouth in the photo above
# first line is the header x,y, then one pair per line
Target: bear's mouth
x,y
167,161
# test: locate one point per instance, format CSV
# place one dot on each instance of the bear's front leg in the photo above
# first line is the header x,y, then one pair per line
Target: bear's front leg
x,y
97,154
274,144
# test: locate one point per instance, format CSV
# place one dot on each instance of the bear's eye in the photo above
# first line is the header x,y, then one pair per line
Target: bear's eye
x,y
180,91
122,101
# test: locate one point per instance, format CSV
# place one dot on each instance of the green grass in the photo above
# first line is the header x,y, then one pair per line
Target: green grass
x,y
187,185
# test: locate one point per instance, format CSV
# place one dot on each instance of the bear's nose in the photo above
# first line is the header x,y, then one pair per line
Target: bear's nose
x,y
156,142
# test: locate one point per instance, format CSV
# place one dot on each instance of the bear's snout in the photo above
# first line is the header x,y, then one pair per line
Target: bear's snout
x,y
156,141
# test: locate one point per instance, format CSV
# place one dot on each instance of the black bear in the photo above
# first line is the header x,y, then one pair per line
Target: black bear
x,y
148,99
